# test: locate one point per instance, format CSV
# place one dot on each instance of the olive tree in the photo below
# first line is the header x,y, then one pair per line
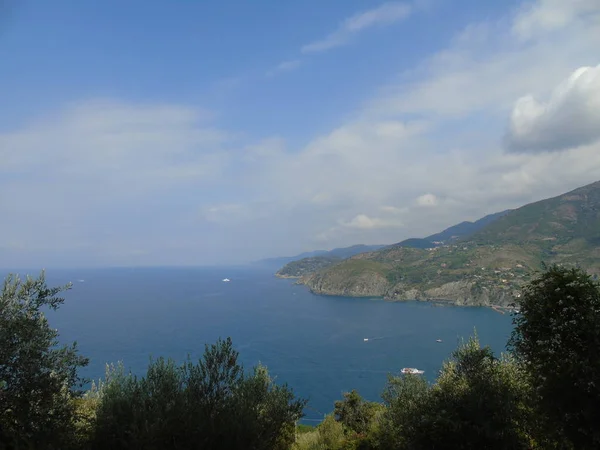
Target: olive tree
x,y
38,378
211,404
354,412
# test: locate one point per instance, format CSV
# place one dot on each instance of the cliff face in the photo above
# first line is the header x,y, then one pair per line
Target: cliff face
x,y
464,293
364,285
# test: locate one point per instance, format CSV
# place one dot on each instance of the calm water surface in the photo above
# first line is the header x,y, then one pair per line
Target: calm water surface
x,y
315,344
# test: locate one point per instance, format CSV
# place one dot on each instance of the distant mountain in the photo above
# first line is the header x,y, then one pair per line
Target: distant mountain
x,y
465,229
336,253
571,220
347,252
303,266
486,267
279,261
462,230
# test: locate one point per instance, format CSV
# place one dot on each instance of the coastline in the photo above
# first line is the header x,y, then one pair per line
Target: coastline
x,y
501,309
287,277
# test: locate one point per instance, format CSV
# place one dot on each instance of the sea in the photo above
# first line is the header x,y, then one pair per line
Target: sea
x,y
313,343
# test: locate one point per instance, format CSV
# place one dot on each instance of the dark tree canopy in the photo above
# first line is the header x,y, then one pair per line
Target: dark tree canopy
x,y
479,401
211,404
38,379
354,412
557,338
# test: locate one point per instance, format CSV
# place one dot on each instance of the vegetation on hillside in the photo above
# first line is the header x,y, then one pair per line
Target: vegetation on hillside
x,y
302,267
487,268
306,266
544,394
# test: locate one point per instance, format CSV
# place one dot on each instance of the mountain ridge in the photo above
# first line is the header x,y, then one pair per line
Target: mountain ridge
x,y
339,252
304,266
486,268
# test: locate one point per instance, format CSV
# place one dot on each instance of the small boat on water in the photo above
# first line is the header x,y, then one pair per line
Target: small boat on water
x,y
412,371
438,340
226,280
366,339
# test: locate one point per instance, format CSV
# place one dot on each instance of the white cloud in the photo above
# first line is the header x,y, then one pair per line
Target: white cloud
x,y
385,14
364,222
285,66
427,200
380,159
131,184
90,177
543,16
487,67
569,118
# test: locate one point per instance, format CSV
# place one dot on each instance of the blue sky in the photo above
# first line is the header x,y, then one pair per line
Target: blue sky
x,y
200,132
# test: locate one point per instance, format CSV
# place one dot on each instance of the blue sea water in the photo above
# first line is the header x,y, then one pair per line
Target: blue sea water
x,y
315,344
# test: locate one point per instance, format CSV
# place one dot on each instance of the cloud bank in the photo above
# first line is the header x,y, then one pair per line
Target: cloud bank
x,y
569,118
115,182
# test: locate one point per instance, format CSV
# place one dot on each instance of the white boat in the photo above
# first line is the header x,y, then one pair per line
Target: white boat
x,y
438,340
365,339
226,280
412,371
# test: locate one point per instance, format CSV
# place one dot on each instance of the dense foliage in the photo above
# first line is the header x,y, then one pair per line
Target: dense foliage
x,y
354,412
38,379
543,395
211,404
556,338
478,401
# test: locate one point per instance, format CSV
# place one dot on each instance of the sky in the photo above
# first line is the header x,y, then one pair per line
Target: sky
x,y
200,132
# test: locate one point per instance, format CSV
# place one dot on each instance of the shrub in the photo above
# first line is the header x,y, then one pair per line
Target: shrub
x,y
211,404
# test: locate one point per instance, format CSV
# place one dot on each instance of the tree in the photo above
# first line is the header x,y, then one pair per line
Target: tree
x,y
354,412
211,404
328,435
556,338
478,401
38,379
404,397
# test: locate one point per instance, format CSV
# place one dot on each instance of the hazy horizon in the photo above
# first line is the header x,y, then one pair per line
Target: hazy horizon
x,y
194,134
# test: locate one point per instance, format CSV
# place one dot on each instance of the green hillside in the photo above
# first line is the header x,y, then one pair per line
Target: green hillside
x,y
307,265
486,268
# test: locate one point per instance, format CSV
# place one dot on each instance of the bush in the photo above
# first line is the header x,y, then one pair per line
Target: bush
x,y
329,435
478,401
212,404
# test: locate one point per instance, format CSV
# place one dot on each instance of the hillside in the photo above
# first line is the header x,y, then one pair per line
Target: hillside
x,y
453,233
305,265
334,254
485,268
279,261
314,262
